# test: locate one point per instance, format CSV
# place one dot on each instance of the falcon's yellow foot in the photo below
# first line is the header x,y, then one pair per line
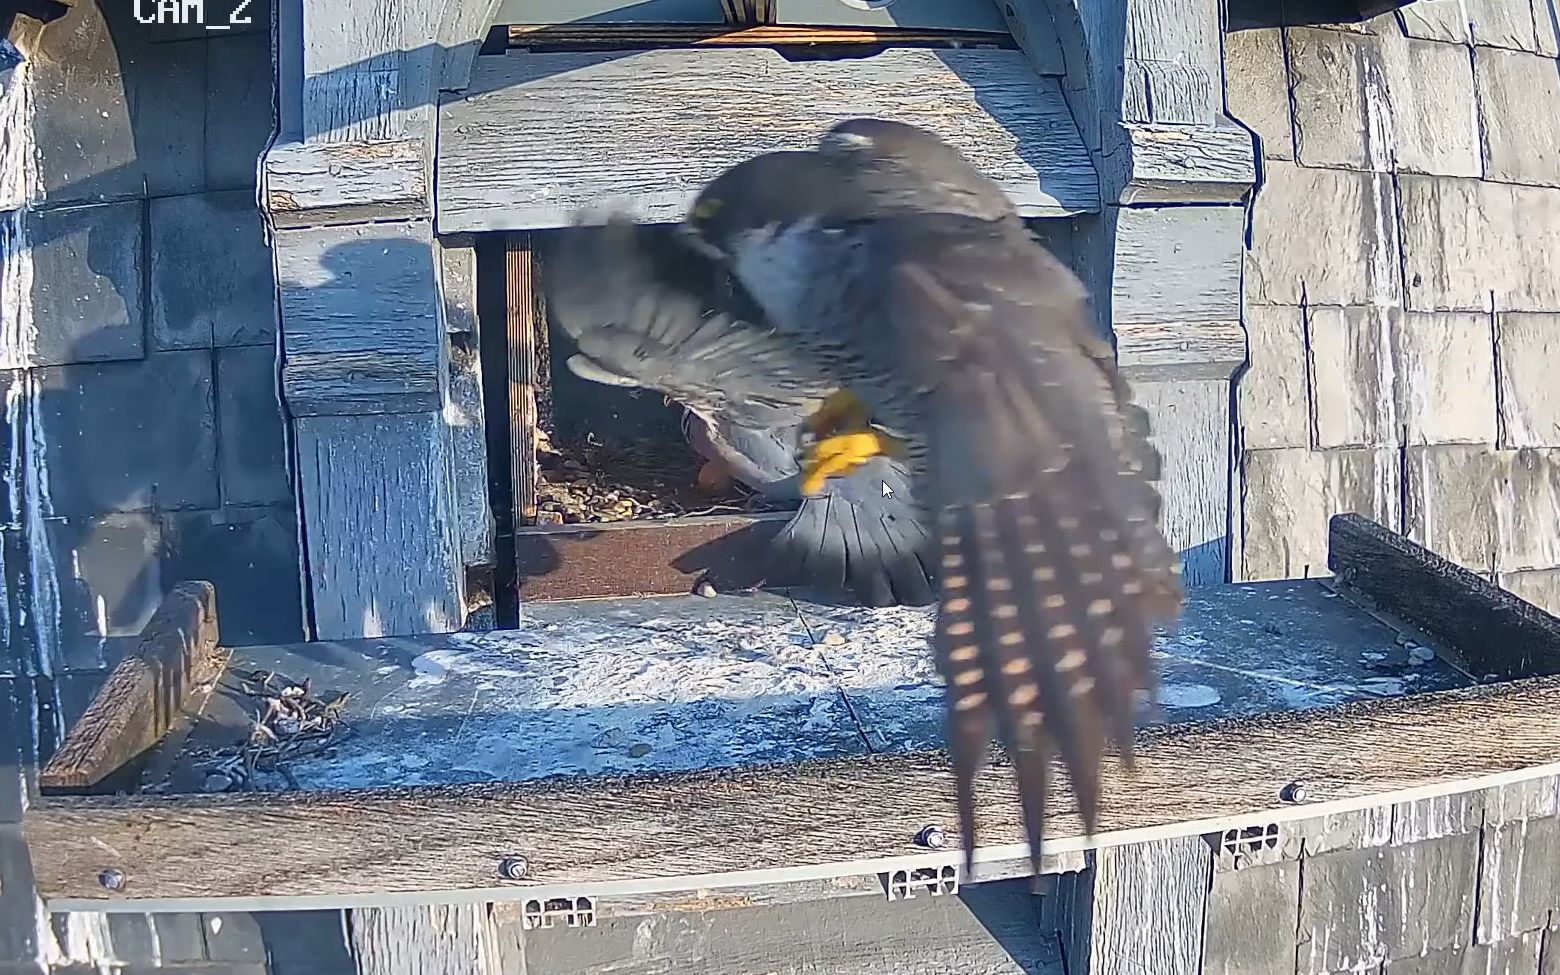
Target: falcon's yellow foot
x,y
841,454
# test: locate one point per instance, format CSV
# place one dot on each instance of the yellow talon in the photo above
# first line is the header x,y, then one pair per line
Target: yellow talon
x,y
842,454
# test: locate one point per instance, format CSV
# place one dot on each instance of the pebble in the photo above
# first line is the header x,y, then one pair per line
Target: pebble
x,y
833,639
638,750
705,589
217,782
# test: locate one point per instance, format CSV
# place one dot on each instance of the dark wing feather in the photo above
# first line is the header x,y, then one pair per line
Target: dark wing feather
x,y
1053,569
644,306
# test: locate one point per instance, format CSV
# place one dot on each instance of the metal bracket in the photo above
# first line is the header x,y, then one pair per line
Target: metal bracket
x,y
902,885
577,912
1249,846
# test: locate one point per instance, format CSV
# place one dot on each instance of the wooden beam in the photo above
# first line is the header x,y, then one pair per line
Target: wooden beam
x,y
1179,350
138,704
523,315
540,135
759,824
339,182
447,939
638,36
646,558
1497,634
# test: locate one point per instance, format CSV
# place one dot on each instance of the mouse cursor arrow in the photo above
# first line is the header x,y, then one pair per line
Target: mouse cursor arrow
x,y
888,492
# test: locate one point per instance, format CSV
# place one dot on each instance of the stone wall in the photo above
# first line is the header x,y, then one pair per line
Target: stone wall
x,y
1402,288
143,438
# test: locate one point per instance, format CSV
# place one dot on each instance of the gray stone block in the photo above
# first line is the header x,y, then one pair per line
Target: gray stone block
x,y
1550,964
1529,799
250,442
239,116
1424,819
1528,346
1291,493
1326,236
82,121
1541,587
221,18
306,942
1527,536
212,278
168,111
180,938
1340,99
87,283
134,939
1466,239
1351,367
1519,105
1252,914
18,746
1273,404
1519,878
1359,908
1451,492
251,556
1514,956
1446,374
109,582
232,936
1258,88
130,436
19,907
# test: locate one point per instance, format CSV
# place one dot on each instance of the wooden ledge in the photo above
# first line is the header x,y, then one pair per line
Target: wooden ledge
x,y
638,36
1185,164
540,135
142,698
343,182
758,825
1179,350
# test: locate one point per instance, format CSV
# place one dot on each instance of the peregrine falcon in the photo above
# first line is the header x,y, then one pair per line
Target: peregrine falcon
x,y
910,313
648,311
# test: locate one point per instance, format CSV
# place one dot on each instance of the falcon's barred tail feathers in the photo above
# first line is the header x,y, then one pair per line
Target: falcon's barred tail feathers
x,y
1052,567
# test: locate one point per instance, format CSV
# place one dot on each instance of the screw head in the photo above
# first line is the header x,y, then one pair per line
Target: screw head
x,y
931,837
1293,792
513,868
112,879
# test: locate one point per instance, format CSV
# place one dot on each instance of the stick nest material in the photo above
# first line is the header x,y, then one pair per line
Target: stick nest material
x,y
290,723
594,480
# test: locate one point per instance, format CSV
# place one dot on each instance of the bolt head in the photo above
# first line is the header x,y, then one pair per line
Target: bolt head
x,y
1293,792
513,868
112,879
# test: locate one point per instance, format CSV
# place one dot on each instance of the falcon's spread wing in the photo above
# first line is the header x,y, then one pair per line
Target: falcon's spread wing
x,y
643,307
646,311
1053,569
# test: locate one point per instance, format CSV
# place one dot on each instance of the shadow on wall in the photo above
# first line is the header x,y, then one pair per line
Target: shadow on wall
x,y
144,438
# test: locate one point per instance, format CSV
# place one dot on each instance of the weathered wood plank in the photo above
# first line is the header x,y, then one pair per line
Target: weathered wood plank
x,y
339,182
1172,60
1162,350
468,452
1191,429
542,37
136,706
1495,632
462,27
458,282
1144,910
540,135
367,70
360,311
1187,164
437,939
811,818
1177,264
907,14
379,524
523,315
645,558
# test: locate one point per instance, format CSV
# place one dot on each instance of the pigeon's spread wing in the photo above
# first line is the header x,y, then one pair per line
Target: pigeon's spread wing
x,y
1052,569
644,307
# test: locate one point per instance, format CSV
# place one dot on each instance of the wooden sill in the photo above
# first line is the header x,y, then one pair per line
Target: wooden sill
x,y
644,36
645,558
639,747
